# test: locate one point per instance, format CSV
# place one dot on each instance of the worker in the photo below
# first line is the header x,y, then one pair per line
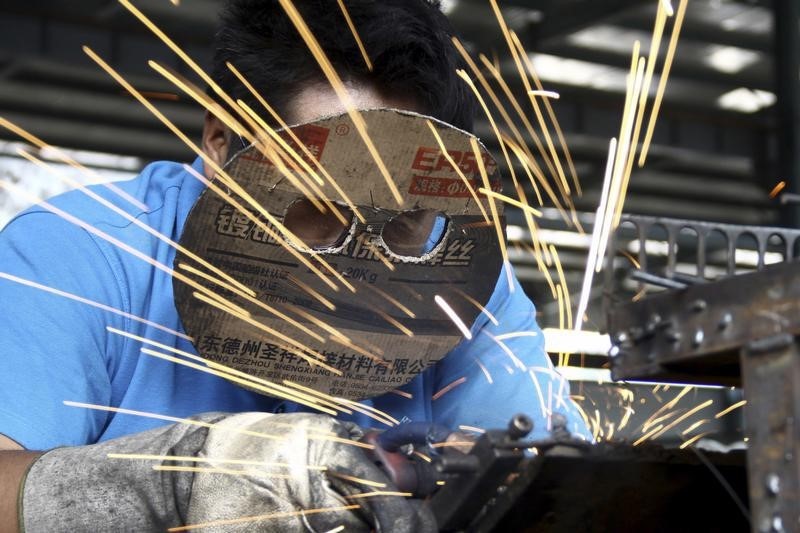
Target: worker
x,y
64,290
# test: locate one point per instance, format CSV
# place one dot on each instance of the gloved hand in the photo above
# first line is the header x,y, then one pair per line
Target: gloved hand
x,y
81,489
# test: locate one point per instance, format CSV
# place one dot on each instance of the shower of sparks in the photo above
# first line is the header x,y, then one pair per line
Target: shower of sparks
x,y
447,388
355,34
620,160
216,460
731,408
264,517
450,312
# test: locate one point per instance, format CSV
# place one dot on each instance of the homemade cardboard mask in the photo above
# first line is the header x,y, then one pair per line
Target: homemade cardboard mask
x,y
347,281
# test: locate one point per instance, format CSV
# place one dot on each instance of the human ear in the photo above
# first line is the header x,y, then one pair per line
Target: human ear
x,y
215,143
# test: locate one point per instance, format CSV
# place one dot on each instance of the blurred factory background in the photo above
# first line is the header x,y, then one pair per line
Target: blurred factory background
x,y
727,133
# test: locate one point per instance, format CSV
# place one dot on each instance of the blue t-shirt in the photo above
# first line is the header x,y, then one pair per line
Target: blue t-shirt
x,y
54,347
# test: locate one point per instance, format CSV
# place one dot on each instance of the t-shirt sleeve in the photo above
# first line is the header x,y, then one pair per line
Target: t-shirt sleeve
x,y
502,371
52,346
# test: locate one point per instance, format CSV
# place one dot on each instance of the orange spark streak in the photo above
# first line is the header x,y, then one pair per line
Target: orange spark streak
x,y
383,259
471,428
525,161
284,146
694,439
562,278
731,408
259,518
377,493
484,370
195,459
316,295
31,138
394,301
216,281
273,148
669,405
217,470
344,341
648,435
777,189
695,426
362,408
355,35
70,296
354,479
477,304
318,396
509,200
495,216
370,411
447,388
344,96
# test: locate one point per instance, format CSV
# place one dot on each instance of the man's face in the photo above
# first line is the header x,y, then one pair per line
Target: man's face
x,y
313,101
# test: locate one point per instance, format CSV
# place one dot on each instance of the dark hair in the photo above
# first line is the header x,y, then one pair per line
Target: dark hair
x,y
408,42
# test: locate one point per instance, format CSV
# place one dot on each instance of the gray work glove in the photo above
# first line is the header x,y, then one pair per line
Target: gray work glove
x,y
81,489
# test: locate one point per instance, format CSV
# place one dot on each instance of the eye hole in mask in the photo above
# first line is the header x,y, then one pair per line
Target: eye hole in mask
x,y
409,235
